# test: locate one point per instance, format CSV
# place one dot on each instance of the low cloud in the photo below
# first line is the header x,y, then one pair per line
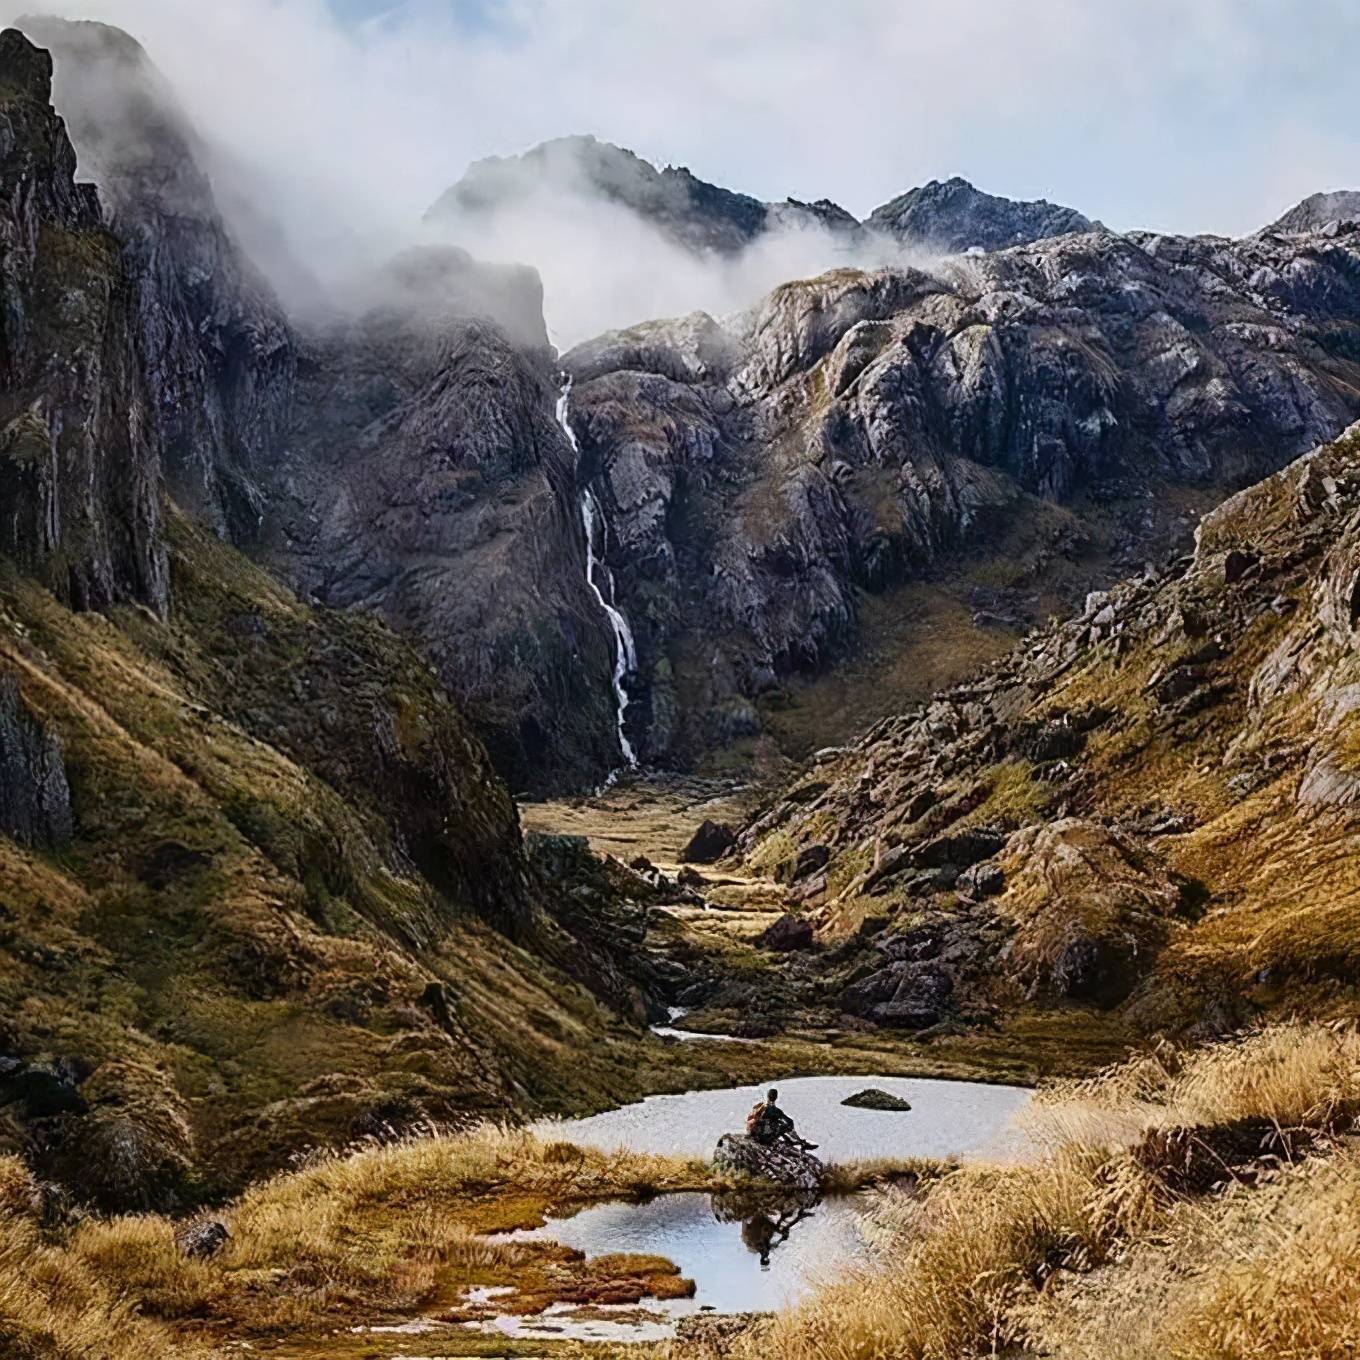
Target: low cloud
x,y
344,123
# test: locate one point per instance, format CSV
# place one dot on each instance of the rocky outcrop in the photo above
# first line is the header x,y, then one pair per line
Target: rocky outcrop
x,y
79,471
951,216
779,1164
1317,210
859,430
35,798
1138,812
709,843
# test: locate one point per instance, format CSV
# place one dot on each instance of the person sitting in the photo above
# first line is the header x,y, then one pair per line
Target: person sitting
x,y
769,1125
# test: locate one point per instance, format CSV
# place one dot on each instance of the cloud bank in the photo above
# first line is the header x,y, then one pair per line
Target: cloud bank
x,y
1175,114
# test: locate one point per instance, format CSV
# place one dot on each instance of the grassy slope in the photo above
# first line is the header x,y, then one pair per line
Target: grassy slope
x,y
240,937
1269,919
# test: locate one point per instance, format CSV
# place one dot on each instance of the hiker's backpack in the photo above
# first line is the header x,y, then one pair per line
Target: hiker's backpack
x,y
753,1120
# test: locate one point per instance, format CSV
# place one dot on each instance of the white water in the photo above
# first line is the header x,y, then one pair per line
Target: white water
x,y
625,653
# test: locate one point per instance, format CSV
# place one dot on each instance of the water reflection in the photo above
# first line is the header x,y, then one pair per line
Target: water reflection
x,y
745,1251
766,1217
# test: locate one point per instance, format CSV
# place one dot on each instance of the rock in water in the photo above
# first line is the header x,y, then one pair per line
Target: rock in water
x,y
709,843
873,1099
780,1165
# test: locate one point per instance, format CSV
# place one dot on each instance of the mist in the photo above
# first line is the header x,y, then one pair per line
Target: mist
x,y
606,268
333,128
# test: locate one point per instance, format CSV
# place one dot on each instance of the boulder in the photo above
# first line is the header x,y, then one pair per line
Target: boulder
x,y
201,1240
709,843
982,880
787,934
739,1155
904,995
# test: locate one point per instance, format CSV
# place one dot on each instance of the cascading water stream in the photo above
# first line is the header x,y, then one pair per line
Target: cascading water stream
x,y
625,653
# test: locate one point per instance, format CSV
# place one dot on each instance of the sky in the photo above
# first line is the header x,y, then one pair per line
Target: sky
x,y
1180,115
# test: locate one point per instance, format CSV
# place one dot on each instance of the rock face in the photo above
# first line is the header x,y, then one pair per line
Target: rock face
x,y
405,459
425,478
854,431
1141,811
951,216
739,1155
218,353
79,473
35,798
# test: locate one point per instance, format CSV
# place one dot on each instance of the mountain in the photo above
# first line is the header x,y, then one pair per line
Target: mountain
x,y
260,887
1149,813
998,436
1317,210
943,216
692,212
404,458
906,468
950,216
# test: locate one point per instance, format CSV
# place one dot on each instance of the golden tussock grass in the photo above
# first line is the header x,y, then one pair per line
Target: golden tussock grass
x,y
1036,1255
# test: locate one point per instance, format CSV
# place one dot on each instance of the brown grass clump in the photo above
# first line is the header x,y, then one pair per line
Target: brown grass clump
x,y
60,1305
1039,1255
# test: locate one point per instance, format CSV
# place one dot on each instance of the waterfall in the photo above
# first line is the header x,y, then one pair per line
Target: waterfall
x,y
625,653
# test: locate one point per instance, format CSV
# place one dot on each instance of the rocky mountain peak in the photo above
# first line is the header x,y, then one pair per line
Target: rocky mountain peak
x,y
1317,210
696,214
952,215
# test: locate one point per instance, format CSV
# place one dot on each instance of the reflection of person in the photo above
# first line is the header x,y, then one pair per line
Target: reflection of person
x,y
762,1234
768,1124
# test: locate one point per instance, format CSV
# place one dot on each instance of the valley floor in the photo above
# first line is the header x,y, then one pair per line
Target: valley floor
x,y
1202,1204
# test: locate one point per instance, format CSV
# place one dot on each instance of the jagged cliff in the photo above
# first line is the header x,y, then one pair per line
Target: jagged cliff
x,y
1052,412
260,887
1149,812
79,474
401,456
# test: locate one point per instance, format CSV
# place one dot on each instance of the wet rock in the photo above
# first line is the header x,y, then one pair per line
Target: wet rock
x,y
787,934
739,1155
874,1099
709,843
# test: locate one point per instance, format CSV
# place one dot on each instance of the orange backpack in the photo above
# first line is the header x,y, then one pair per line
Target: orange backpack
x,y
753,1119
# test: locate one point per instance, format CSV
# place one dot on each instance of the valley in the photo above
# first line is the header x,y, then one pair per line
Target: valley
x,y
447,779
